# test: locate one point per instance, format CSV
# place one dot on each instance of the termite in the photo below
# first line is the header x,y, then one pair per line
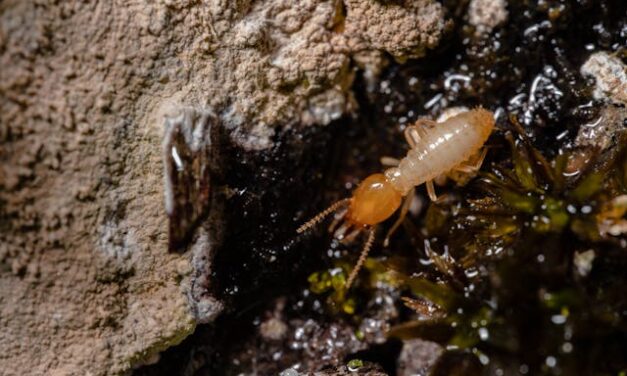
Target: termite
x,y
453,146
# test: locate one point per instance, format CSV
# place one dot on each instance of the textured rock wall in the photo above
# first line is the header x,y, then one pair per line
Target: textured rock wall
x,y
87,283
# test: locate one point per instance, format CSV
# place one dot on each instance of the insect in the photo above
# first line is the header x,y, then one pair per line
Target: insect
x,y
448,148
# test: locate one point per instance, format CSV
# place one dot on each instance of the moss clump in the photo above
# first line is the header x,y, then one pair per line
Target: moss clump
x,y
331,283
355,364
529,280
525,275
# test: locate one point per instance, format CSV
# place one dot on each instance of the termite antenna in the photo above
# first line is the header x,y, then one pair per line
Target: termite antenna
x,y
362,258
323,214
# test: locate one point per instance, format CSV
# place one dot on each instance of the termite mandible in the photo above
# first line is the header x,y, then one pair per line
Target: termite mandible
x,y
436,149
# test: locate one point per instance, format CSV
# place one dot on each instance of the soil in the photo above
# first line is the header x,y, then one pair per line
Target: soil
x,y
91,280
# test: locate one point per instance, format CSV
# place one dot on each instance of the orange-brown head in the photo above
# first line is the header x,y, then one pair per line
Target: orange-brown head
x,y
374,201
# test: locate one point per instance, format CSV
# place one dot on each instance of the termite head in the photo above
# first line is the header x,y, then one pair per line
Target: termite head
x,y
374,201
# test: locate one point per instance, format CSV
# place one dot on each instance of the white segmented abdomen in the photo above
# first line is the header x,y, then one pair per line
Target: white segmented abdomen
x,y
442,148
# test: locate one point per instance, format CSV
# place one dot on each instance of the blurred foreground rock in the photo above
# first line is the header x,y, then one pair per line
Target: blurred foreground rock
x,y
87,282
417,357
610,76
485,15
365,369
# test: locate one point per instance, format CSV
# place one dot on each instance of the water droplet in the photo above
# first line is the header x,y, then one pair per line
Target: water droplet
x,y
177,159
448,82
483,358
561,135
289,372
431,102
583,261
558,319
484,334
567,347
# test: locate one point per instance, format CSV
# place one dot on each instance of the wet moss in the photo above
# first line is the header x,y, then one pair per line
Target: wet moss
x,y
504,284
516,272
522,236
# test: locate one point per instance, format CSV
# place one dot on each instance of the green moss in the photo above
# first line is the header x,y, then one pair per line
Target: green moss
x,y
355,364
502,286
525,299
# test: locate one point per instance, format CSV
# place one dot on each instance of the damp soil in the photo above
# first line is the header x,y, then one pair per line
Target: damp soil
x,y
526,71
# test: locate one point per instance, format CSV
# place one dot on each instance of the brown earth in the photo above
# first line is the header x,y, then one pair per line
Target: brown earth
x,y
87,283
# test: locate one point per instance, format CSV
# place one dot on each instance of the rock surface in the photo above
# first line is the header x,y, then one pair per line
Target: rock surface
x,y
601,133
610,75
417,357
485,15
87,283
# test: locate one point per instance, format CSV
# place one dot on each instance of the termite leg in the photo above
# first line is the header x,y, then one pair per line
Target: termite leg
x,y
479,162
484,152
412,136
323,214
473,167
401,217
421,123
389,161
415,132
466,169
351,236
340,232
440,179
362,258
431,190
339,216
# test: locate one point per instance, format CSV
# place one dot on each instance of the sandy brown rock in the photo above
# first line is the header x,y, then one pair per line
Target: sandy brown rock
x,y
418,357
87,284
485,15
601,133
405,29
610,76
